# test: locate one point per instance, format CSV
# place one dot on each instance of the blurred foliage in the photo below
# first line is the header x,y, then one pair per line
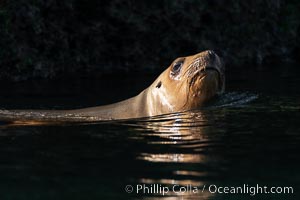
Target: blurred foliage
x,y
49,38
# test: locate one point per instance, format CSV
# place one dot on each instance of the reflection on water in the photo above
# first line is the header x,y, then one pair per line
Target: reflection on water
x,y
184,136
250,136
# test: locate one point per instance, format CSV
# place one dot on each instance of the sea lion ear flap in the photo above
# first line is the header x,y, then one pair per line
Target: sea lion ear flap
x,y
158,84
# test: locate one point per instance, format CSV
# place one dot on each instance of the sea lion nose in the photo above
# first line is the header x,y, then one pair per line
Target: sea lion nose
x,y
211,55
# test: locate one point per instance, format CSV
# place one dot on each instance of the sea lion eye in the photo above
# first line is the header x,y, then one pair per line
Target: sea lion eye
x,y
177,67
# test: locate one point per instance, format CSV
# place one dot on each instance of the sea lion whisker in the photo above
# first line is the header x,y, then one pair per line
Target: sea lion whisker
x,y
194,66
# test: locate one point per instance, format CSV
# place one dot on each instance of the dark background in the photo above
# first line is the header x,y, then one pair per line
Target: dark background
x,y
59,38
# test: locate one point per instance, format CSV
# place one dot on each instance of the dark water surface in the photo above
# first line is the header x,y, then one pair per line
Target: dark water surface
x,y
249,136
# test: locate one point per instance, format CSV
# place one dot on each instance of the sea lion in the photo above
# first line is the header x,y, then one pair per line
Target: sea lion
x,y
186,84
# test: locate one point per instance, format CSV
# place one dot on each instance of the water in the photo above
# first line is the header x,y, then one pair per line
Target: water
x,y
249,136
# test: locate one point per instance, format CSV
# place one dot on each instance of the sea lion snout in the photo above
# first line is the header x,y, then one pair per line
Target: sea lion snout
x,y
211,54
211,57
204,73
212,61
203,62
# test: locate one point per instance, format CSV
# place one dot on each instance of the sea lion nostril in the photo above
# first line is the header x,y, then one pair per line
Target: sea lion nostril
x,y
210,52
211,55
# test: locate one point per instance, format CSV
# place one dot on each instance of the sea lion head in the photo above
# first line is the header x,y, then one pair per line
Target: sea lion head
x,y
188,83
